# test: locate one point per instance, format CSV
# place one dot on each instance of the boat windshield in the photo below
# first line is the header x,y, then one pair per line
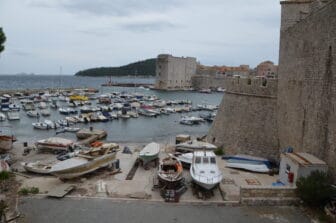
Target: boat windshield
x,y
198,160
205,159
212,160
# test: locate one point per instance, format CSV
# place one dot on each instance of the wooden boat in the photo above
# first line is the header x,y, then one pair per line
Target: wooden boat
x,y
250,163
54,143
85,162
38,166
6,142
170,170
149,152
204,170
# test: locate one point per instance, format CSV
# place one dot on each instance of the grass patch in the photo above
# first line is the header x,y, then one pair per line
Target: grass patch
x,y
4,175
28,190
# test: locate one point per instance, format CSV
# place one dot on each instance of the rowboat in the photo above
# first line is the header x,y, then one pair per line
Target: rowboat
x,y
149,152
170,170
38,166
204,170
85,162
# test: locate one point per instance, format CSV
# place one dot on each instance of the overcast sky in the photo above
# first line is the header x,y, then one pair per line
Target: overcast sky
x,y
43,35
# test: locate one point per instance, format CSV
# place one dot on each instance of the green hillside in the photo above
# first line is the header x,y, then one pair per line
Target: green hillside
x,y
140,68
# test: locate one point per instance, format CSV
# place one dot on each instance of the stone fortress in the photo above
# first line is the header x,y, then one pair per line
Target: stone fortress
x,y
264,116
174,73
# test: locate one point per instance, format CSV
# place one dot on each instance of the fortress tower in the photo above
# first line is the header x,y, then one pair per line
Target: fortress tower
x,y
298,109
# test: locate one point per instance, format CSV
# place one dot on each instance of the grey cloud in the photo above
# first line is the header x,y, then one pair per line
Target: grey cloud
x,y
150,26
111,7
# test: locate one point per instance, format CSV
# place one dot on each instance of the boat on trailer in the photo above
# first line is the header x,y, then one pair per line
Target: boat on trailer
x,y
204,170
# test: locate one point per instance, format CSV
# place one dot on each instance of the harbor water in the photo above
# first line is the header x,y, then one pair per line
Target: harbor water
x,y
142,129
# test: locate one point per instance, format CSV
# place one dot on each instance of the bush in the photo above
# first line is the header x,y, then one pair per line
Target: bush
x,y
219,151
315,189
28,190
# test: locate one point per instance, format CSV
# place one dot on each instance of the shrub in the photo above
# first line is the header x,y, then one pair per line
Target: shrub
x,y
219,151
34,190
24,191
4,175
315,189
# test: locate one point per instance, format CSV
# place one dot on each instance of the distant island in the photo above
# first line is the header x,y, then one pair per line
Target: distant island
x,y
140,68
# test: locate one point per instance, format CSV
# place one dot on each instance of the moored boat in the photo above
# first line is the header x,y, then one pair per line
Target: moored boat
x,y
195,145
250,163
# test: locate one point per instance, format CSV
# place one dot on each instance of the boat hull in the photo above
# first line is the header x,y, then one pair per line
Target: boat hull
x,y
146,159
88,167
6,142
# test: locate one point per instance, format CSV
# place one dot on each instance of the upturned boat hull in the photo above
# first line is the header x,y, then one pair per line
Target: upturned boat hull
x,y
6,142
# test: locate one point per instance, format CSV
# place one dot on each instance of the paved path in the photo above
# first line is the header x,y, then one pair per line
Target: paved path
x,y
106,210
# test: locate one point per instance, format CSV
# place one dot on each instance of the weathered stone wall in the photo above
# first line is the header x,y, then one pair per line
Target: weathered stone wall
x,y
307,85
206,81
257,195
174,73
246,119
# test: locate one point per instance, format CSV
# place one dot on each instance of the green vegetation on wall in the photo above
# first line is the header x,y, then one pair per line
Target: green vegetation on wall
x,y
140,68
2,40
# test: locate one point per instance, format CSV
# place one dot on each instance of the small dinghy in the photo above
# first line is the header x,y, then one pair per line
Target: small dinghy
x,y
149,152
170,170
204,170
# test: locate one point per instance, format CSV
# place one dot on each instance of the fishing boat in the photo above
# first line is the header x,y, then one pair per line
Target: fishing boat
x,y
54,143
170,170
41,167
193,145
85,162
150,152
250,163
204,170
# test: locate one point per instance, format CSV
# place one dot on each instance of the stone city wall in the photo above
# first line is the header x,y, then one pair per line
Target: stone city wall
x,y
206,81
307,85
246,120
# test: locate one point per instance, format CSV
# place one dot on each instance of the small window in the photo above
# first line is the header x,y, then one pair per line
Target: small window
x,y
205,159
198,160
249,81
264,82
213,160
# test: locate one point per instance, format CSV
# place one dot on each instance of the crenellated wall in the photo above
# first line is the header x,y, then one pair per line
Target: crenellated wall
x,y
246,120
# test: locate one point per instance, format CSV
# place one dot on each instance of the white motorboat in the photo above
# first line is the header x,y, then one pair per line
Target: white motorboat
x,y
54,143
32,113
191,120
42,105
85,162
45,112
13,115
204,170
50,124
185,158
14,107
149,152
40,125
193,145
